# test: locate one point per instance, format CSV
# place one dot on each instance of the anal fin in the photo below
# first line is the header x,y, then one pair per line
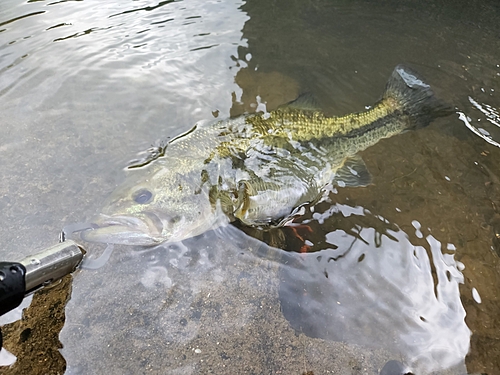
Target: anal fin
x,y
353,173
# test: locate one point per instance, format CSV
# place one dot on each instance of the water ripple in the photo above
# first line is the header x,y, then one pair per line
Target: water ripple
x,y
483,130
21,17
396,295
147,8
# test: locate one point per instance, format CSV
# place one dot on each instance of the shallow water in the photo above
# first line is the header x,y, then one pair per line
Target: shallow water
x,y
405,269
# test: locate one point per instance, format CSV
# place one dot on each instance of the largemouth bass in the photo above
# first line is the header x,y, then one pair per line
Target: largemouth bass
x,y
258,168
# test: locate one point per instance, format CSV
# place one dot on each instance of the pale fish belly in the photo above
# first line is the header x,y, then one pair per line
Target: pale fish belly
x,y
268,205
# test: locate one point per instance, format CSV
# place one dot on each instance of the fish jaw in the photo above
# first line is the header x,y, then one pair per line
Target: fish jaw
x,y
124,230
149,229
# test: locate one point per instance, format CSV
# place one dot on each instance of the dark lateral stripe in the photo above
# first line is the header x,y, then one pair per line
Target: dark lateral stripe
x,y
379,123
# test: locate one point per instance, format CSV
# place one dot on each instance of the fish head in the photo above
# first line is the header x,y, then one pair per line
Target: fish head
x,y
154,206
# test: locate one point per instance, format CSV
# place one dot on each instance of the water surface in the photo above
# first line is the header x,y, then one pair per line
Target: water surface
x,y
405,269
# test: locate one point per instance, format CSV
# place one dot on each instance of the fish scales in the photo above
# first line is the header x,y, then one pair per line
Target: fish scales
x,y
303,125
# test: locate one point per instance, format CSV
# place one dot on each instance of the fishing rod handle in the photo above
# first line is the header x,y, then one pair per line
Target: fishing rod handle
x,y
19,279
51,264
12,285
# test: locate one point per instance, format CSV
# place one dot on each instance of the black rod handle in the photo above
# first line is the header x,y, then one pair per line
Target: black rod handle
x,y
12,285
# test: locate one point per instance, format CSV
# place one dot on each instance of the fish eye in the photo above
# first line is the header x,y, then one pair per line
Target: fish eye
x,y
142,196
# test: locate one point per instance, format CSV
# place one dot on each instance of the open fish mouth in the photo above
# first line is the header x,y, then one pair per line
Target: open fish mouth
x,y
125,230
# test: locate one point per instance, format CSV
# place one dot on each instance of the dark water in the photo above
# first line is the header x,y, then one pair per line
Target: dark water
x,y
405,269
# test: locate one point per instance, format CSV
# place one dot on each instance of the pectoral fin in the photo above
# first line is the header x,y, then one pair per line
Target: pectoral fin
x,y
243,199
353,173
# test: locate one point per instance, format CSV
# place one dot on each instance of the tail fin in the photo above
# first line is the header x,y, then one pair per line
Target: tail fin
x,y
415,96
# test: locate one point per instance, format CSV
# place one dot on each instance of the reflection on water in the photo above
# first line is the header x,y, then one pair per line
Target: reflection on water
x,y
199,306
491,115
366,286
385,292
386,272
